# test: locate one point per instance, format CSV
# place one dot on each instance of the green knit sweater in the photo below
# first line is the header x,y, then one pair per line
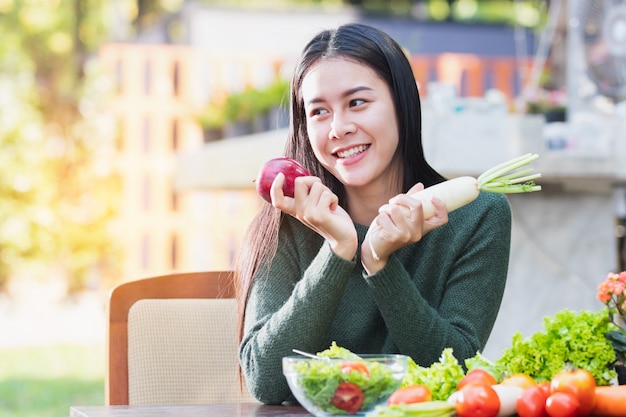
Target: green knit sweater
x,y
443,291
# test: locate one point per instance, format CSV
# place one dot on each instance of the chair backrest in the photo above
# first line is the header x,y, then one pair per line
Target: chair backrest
x,y
173,339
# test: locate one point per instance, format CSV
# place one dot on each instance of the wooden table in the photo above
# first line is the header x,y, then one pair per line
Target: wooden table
x,y
203,410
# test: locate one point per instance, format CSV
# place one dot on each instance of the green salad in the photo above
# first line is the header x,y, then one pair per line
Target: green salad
x,y
322,380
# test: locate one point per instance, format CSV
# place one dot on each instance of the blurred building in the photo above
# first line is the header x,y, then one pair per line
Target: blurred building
x,y
160,229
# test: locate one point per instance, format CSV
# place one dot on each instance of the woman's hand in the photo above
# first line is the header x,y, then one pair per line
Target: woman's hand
x,y
399,223
318,207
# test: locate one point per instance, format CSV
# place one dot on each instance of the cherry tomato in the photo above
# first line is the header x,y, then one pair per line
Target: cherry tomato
x,y
477,375
562,404
545,386
355,366
532,402
581,384
410,394
519,380
477,399
348,397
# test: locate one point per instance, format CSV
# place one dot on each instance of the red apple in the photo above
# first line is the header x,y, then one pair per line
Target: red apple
x,y
290,168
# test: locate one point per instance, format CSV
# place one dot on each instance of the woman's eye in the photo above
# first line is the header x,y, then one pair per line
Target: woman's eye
x,y
356,102
318,111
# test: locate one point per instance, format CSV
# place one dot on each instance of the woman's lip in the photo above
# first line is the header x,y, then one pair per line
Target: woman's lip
x,y
353,159
347,148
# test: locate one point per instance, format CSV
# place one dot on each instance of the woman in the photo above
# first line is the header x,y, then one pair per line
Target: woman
x,y
351,258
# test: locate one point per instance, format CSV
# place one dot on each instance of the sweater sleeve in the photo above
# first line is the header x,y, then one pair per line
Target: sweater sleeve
x,y
451,297
290,308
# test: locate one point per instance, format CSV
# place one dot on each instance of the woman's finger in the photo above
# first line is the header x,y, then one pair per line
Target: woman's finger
x,y
279,200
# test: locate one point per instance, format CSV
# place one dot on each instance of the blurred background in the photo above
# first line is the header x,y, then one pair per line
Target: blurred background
x,y
131,131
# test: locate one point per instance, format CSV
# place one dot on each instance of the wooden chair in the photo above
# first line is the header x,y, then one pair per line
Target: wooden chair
x,y
173,339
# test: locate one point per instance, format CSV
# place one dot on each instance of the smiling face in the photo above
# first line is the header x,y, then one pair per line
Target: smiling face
x,y
351,124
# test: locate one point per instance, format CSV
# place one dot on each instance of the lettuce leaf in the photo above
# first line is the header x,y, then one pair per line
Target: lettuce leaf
x,y
441,377
569,337
479,361
336,351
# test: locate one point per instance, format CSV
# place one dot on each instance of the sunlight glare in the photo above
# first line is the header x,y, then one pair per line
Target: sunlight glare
x,y
526,15
6,6
466,9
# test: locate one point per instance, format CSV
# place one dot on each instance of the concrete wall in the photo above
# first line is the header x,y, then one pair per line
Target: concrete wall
x,y
563,246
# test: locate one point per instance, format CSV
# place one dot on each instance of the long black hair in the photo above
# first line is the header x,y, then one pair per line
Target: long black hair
x,y
377,50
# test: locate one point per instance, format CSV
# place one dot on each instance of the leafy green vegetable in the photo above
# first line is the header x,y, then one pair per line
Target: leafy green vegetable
x,y
504,178
441,377
481,362
336,351
577,338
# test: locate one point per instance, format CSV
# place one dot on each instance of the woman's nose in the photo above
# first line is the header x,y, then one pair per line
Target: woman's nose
x,y
340,126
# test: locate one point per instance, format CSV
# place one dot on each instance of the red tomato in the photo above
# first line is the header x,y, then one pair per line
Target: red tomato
x,y
477,375
562,404
477,399
410,394
348,397
545,386
581,384
532,402
355,366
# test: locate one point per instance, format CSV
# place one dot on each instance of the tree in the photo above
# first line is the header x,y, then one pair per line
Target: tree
x,y
21,138
58,193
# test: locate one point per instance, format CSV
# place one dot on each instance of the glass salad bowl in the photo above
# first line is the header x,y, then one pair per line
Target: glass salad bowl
x,y
340,386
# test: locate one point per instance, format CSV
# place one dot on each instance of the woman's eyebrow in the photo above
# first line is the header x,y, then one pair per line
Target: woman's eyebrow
x,y
356,90
346,93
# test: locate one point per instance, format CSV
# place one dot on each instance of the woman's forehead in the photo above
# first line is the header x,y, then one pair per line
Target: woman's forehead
x,y
337,72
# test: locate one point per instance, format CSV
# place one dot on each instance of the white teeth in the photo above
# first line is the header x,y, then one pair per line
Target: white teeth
x,y
351,152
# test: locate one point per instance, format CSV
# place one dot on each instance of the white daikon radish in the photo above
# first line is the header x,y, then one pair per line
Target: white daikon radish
x,y
505,178
455,193
508,395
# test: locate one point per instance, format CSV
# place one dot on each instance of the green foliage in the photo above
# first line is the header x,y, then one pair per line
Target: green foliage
x,y
57,189
276,94
240,106
568,337
245,105
213,116
45,381
617,337
51,397
23,213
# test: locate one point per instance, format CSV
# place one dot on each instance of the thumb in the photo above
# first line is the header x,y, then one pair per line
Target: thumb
x,y
416,188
